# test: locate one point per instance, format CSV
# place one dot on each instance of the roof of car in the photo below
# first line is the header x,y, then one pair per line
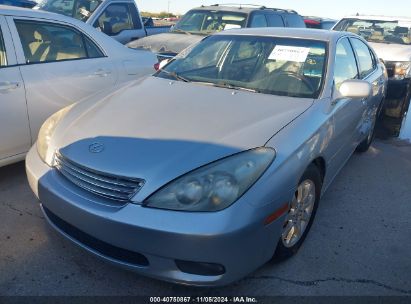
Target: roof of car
x,y
34,13
241,8
321,19
312,34
27,12
376,17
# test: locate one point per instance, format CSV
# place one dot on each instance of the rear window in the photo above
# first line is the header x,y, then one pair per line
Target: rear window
x,y
397,32
275,20
295,20
79,9
207,22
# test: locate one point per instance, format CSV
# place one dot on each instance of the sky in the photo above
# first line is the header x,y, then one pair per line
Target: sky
x,y
323,8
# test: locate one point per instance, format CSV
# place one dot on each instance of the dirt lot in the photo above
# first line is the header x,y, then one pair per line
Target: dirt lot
x,y
358,245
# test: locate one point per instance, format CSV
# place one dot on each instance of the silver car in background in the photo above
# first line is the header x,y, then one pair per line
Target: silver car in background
x,y
49,61
224,167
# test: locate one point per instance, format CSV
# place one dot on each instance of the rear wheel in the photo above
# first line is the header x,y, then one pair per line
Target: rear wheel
x,y
301,214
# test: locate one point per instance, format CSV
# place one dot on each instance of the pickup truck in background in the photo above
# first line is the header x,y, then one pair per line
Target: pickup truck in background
x,y
390,37
119,19
206,20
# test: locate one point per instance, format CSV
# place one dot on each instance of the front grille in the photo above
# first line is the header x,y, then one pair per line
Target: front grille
x,y
99,183
107,250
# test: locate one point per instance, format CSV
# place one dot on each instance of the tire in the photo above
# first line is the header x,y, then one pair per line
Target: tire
x,y
287,246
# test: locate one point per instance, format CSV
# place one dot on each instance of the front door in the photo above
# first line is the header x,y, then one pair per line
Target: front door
x,y
14,128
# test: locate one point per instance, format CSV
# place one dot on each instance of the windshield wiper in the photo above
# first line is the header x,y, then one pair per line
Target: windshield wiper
x,y
180,31
176,76
226,86
234,87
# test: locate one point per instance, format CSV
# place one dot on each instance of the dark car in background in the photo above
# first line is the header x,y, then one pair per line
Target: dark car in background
x,y
205,20
319,23
19,3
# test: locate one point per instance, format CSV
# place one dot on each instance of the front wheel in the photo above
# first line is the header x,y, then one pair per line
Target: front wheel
x,y
301,214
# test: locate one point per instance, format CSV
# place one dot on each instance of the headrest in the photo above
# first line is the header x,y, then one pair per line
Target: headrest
x,y
41,35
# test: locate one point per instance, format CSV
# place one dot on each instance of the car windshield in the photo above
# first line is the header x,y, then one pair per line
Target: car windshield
x,y
269,65
79,9
206,22
378,31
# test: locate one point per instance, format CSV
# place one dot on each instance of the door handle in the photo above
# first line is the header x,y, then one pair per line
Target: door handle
x,y
101,73
8,86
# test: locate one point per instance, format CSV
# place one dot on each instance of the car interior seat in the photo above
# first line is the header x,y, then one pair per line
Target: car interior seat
x,y
122,22
40,46
70,48
353,29
378,34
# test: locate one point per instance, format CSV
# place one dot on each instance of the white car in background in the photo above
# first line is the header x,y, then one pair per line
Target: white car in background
x,y
49,61
390,37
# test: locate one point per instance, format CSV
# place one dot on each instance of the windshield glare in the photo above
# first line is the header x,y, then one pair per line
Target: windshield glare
x,y
202,21
378,31
79,9
270,65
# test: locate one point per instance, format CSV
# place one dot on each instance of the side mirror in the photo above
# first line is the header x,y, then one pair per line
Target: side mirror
x,y
355,89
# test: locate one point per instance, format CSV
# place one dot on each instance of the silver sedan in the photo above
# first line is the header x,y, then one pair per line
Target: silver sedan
x,y
223,169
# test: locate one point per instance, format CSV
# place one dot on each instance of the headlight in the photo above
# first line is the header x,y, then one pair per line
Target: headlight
x,y
402,70
46,132
214,186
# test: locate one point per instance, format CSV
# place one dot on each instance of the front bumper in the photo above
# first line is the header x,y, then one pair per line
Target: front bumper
x,y
235,238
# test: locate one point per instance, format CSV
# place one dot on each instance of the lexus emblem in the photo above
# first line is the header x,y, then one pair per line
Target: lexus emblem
x,y
96,147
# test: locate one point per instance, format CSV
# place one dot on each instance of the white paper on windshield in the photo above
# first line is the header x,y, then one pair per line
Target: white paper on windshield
x,y
289,53
231,26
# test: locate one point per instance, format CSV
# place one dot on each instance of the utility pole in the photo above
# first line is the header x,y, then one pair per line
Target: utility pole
x,y
168,9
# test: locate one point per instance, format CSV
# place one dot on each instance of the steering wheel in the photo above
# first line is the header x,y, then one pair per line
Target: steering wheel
x,y
297,77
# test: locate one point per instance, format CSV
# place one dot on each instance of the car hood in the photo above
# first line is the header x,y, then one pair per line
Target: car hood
x,y
166,43
392,52
157,129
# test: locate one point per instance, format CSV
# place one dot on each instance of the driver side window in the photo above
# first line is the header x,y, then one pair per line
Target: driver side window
x,y
345,67
117,18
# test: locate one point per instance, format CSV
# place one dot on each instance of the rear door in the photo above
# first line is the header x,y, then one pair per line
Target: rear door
x,y
120,20
14,128
59,64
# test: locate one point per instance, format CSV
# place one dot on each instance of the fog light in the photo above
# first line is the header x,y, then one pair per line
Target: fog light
x,y
199,268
